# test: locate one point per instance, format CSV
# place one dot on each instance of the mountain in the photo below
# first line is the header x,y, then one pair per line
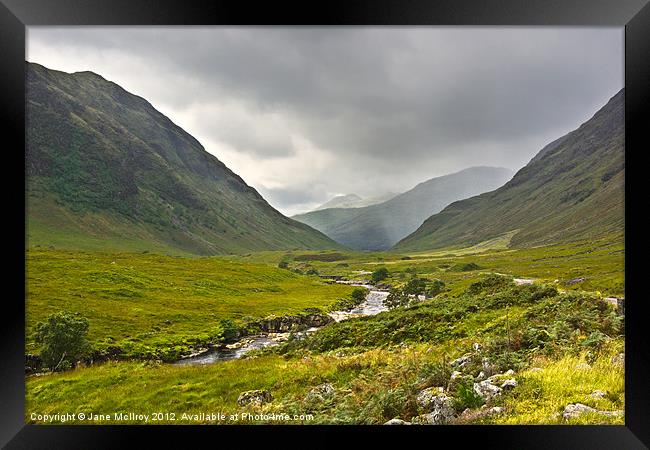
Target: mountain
x,y
105,169
378,227
572,189
354,201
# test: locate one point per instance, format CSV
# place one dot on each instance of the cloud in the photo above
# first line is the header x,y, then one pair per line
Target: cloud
x,y
304,113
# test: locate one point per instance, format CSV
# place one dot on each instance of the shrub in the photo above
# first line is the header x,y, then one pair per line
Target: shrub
x,y
465,267
359,294
489,284
312,271
396,298
63,339
229,330
595,340
283,265
466,397
436,287
415,286
434,374
379,274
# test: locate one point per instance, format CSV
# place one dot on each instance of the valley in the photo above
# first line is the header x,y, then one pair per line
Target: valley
x,y
158,280
376,365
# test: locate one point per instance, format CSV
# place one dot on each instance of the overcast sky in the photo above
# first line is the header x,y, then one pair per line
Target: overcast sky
x,y
303,114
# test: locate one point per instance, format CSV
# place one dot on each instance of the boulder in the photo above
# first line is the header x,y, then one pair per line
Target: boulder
x,y
441,415
428,397
574,410
598,394
486,389
320,392
509,384
397,421
440,408
255,397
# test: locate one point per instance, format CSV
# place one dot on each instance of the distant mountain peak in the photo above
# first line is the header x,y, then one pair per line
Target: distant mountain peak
x,y
380,225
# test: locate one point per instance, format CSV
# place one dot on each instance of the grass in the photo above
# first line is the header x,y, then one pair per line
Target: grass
x,y
376,364
600,262
542,395
136,301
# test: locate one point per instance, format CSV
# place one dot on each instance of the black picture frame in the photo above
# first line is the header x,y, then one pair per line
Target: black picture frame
x,y
634,15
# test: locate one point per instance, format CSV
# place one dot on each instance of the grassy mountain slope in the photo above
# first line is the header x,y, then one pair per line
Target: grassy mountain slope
x,y
107,170
377,227
573,189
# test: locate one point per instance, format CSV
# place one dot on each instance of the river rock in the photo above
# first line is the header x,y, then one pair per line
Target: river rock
x,y
486,389
255,397
574,410
397,421
286,324
321,392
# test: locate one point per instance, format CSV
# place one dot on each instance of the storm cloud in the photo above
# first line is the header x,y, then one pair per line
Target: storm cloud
x,y
303,113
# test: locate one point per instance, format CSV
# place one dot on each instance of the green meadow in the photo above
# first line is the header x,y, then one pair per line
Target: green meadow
x,y
559,338
142,302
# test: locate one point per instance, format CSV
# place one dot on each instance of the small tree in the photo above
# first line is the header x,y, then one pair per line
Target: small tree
x,y
379,274
416,286
63,339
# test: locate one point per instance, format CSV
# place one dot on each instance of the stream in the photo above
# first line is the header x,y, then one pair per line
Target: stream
x,y
373,304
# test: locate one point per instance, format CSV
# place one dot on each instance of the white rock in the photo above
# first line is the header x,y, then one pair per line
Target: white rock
x,y
397,421
509,384
598,394
320,392
486,389
442,412
494,410
429,397
577,409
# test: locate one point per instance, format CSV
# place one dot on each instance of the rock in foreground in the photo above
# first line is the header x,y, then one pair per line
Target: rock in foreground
x,y
255,397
